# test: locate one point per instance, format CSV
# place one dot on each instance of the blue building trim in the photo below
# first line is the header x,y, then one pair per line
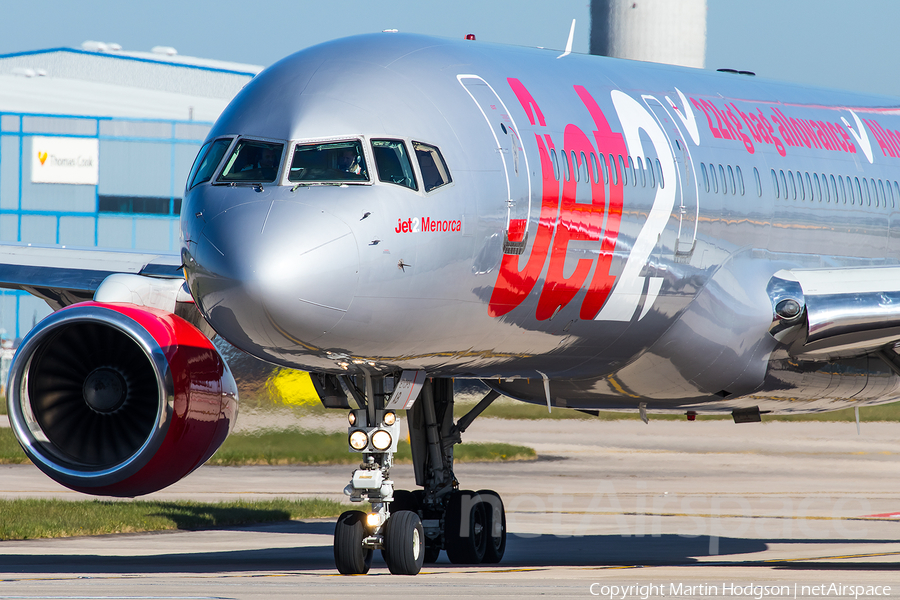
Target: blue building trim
x,y
116,56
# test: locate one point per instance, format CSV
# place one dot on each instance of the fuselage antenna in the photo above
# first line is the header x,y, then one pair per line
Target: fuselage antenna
x,y
571,39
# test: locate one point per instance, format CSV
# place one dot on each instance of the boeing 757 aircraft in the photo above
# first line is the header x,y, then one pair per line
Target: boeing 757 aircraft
x,y
390,212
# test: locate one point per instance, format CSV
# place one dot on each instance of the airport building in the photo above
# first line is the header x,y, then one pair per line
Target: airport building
x,y
95,147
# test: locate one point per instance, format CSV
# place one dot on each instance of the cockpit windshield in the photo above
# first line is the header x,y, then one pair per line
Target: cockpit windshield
x,y
254,161
329,162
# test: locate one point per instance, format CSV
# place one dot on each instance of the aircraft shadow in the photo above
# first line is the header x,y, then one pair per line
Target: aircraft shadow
x,y
522,552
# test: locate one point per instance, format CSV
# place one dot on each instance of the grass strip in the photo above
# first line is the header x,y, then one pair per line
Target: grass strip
x,y
292,447
10,451
49,518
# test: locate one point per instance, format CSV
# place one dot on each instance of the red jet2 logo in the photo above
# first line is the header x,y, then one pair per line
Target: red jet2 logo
x,y
574,221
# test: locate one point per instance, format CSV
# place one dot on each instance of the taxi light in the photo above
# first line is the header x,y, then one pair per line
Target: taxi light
x,y
381,439
359,440
352,418
373,520
390,418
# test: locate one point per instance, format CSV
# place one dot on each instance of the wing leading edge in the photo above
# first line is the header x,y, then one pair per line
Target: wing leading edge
x,y
64,276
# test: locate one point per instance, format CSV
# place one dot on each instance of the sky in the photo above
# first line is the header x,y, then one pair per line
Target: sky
x,y
842,44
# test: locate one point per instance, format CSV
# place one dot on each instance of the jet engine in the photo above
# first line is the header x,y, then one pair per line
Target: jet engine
x,y
119,399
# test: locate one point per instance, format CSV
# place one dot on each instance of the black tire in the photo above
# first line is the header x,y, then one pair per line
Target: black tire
x,y
496,514
404,543
465,529
350,557
412,501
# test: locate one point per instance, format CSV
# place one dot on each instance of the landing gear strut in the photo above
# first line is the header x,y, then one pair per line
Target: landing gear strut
x,y
412,527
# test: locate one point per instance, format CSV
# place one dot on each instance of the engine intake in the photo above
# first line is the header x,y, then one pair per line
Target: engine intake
x,y
118,399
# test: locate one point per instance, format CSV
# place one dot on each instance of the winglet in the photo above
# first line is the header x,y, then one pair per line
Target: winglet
x,y
569,43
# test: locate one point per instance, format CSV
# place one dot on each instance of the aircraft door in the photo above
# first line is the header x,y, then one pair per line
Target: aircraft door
x,y
511,152
688,190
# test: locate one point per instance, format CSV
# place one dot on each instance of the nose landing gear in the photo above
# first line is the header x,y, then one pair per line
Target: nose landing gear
x,y
412,527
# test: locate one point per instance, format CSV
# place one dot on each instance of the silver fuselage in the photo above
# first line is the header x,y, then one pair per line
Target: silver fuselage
x,y
618,286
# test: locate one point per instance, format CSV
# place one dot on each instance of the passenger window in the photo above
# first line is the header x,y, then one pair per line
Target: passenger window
x,y
731,180
431,164
793,185
553,159
650,172
723,180
252,160
332,161
852,194
818,187
640,168
623,172
873,192
631,172
812,195
613,171
859,193
564,165
843,189
392,160
784,185
705,176
896,195
834,190
712,175
775,184
208,159
881,192
740,179
595,171
659,174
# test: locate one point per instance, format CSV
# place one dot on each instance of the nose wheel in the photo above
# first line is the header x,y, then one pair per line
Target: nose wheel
x,y
350,555
411,528
404,543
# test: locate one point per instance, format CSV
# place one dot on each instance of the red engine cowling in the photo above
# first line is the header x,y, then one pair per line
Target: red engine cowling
x,y
118,399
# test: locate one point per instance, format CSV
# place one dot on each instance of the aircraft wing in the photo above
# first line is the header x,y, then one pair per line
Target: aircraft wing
x,y
62,276
844,312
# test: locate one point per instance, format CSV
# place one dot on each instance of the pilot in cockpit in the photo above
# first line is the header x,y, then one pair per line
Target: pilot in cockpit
x,y
348,161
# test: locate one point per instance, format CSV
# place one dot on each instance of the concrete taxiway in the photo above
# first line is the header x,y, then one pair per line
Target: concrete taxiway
x,y
702,509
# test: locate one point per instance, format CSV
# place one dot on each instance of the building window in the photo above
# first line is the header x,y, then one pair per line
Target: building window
x,y
141,205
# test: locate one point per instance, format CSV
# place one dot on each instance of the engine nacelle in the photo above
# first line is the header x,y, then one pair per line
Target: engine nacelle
x,y
118,399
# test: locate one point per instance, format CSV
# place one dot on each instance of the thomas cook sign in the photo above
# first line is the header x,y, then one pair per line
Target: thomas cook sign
x,y
64,160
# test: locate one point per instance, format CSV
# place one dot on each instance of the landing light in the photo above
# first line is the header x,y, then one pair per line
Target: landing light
x,y
352,418
373,520
389,418
359,440
381,439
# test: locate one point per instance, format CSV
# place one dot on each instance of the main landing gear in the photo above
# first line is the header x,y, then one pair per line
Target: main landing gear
x,y
412,527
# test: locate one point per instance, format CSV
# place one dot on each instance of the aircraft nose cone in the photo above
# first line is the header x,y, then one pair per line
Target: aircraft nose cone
x,y
275,274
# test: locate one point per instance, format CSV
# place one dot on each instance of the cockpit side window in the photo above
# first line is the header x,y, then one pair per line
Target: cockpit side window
x,y
253,160
431,164
208,159
330,161
393,163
